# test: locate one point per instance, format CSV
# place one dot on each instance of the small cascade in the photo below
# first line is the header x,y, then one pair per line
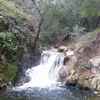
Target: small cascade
x,y
43,84
46,73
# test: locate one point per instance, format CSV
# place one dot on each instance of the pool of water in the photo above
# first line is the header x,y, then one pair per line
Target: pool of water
x,y
58,93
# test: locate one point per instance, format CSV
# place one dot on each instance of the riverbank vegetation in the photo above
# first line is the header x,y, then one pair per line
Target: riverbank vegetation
x,y
17,36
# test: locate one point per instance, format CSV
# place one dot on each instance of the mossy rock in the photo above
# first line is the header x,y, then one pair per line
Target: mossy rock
x,y
7,73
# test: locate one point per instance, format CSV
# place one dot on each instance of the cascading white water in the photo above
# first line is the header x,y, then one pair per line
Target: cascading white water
x,y
46,73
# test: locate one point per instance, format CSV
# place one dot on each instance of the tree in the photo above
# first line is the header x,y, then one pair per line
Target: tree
x,y
59,18
18,35
90,12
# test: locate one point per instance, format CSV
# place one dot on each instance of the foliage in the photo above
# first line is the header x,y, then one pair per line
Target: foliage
x,y
90,8
9,8
7,72
90,12
68,16
17,36
59,18
8,50
8,45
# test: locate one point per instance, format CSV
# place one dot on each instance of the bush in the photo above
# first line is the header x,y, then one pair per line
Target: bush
x,y
7,72
8,46
8,57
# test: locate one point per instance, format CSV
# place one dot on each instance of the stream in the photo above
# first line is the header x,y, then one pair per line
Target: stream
x,y
43,84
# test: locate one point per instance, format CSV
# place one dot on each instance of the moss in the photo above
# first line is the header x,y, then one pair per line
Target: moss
x,y
11,71
7,72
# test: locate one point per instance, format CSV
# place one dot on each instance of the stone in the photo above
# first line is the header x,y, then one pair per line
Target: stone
x,y
70,53
62,75
66,59
95,61
62,49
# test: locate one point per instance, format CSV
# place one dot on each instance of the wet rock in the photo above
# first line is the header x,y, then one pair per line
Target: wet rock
x,y
3,90
70,52
95,83
62,75
62,49
66,60
95,61
3,87
72,78
67,72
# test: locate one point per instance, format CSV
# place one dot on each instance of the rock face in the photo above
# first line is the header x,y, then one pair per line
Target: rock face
x,y
83,66
88,65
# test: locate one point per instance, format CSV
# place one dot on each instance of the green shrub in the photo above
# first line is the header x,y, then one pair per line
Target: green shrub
x,y
8,45
8,50
7,72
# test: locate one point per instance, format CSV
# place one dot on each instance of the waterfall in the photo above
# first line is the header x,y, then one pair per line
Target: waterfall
x,y
46,73
43,84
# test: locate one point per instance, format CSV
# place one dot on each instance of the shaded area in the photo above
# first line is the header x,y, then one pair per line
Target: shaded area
x,y
59,93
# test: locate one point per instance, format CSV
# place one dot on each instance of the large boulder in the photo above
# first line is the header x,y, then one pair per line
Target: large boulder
x,y
82,67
